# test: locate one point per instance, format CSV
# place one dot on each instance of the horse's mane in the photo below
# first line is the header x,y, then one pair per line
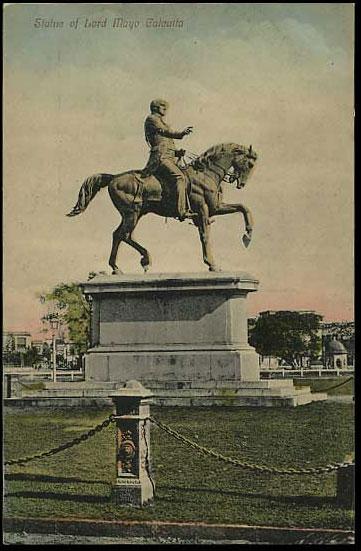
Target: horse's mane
x,y
204,159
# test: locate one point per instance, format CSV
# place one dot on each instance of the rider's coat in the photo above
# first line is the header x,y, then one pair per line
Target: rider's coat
x,y
160,138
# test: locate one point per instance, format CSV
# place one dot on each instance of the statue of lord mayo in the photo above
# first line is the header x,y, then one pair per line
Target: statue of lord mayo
x,y
163,154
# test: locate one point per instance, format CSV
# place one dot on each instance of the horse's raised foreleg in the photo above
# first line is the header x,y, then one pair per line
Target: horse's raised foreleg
x,y
248,220
203,224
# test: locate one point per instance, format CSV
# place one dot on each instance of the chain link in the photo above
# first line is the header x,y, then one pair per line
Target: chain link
x,y
67,445
243,464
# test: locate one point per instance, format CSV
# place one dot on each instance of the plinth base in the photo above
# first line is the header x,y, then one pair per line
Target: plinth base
x,y
245,394
177,367
264,393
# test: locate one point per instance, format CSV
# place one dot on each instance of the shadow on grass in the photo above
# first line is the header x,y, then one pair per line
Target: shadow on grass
x,y
48,478
306,501
89,498
309,501
61,497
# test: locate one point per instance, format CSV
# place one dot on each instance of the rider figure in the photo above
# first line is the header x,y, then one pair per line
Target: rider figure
x,y
163,153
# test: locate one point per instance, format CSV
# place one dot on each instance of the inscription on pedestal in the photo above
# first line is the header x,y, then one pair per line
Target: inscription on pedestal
x,y
127,481
127,495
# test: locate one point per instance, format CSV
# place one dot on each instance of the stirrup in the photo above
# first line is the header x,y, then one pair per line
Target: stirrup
x,y
188,214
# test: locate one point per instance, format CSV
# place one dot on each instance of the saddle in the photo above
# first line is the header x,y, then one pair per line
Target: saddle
x,y
154,188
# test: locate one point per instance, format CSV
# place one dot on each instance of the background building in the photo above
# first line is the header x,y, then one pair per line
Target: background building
x,y
16,341
19,349
335,354
344,333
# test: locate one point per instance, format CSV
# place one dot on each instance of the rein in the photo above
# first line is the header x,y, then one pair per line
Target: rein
x,y
215,172
225,176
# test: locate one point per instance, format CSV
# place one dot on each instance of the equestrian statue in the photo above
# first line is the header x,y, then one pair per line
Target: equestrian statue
x,y
164,187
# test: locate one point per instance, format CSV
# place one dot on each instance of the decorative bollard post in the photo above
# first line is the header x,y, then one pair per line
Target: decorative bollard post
x,y
346,487
134,485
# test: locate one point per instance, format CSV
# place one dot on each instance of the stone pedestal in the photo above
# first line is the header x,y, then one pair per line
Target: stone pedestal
x,y
134,486
184,336
180,329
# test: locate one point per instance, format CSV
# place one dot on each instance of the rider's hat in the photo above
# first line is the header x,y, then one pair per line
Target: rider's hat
x,y
157,102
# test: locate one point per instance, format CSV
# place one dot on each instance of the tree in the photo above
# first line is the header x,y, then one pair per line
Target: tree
x,y
31,356
287,335
73,311
11,357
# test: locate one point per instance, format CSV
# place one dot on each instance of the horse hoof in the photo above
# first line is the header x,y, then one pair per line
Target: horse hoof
x,y
145,263
116,271
246,239
214,269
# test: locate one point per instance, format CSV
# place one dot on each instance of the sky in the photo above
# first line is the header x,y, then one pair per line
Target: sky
x,y
277,76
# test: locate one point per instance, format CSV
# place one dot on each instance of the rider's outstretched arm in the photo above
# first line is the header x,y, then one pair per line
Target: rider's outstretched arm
x,y
155,126
171,134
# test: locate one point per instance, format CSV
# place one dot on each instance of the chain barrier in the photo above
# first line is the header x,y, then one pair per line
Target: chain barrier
x,y
147,462
243,464
82,438
28,387
336,386
178,436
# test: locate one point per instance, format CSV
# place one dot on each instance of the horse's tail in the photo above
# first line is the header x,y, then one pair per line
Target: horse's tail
x,y
88,191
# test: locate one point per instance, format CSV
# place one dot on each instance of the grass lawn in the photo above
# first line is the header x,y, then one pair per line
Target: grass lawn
x,y
77,482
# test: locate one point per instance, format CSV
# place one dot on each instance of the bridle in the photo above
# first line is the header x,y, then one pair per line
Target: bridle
x,y
228,176
235,176
225,176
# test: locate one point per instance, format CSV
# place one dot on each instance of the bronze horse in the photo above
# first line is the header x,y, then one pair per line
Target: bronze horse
x,y
134,196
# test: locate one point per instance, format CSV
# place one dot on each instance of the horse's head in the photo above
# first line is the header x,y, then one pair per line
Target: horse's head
x,y
243,161
231,155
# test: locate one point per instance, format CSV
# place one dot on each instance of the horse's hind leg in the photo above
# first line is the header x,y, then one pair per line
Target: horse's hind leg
x,y
117,238
145,260
122,233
